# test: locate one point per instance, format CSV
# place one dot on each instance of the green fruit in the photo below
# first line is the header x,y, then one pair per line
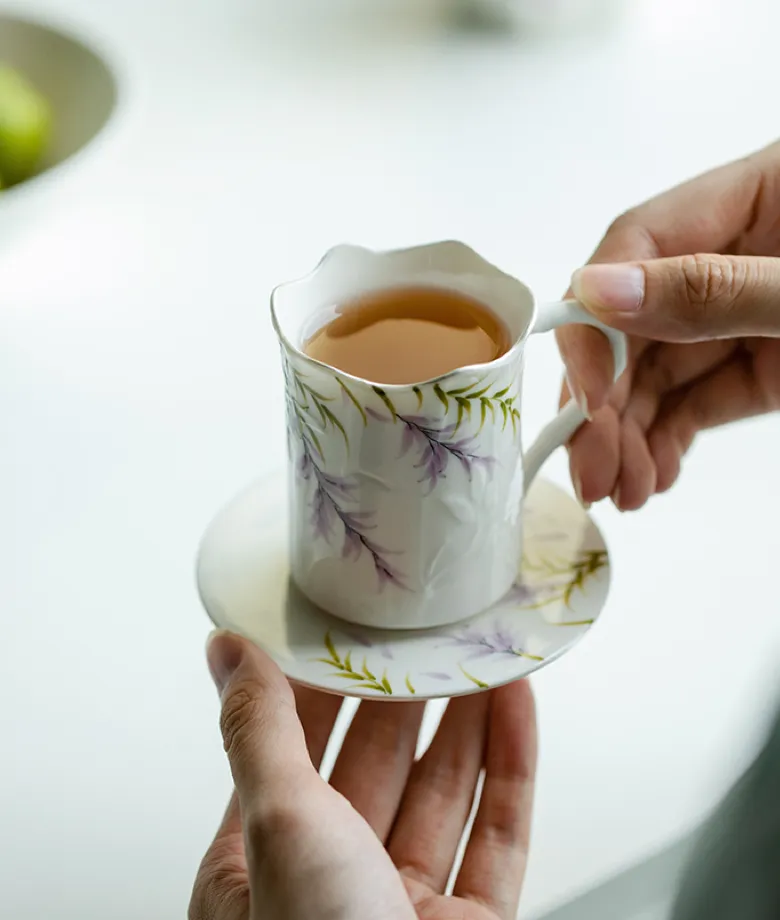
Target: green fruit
x,y
25,127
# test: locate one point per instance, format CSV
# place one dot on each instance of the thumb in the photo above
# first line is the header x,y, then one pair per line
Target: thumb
x,y
685,299
261,731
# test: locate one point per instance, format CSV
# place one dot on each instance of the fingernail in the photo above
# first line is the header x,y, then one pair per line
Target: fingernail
x,y
618,288
578,395
616,498
577,482
224,651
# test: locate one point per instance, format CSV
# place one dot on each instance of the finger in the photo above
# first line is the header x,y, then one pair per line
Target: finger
x,y
660,371
704,214
375,759
586,353
587,356
230,828
495,859
664,368
318,712
439,795
637,479
731,392
262,734
685,299
594,451
594,456
221,890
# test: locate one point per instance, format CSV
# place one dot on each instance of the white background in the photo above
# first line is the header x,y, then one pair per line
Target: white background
x,y
139,389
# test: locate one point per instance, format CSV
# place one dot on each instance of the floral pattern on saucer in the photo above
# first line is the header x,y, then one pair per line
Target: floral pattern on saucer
x,y
563,579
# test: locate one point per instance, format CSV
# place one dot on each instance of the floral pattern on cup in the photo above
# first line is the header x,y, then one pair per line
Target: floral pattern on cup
x,y
432,448
435,446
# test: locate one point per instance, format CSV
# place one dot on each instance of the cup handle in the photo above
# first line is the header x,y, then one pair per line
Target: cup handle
x,y
568,420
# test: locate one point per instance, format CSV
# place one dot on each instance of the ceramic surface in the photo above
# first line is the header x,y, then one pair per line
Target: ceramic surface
x,y
562,578
405,501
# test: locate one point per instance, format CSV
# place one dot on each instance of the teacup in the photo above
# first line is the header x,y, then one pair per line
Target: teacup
x,y
406,500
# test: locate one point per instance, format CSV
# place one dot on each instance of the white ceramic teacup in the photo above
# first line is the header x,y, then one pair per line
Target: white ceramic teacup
x,y
406,500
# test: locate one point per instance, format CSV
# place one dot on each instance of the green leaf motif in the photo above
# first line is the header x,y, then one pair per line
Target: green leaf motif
x,y
409,685
419,394
354,400
467,397
310,409
336,424
460,417
387,401
345,670
323,418
474,680
465,404
442,397
331,647
459,391
366,671
575,574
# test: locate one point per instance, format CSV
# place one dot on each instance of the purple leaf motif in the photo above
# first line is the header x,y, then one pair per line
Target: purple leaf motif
x,y
436,447
437,675
331,494
384,650
360,639
486,643
520,594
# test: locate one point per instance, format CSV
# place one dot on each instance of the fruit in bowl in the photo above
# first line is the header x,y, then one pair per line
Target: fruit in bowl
x,y
25,127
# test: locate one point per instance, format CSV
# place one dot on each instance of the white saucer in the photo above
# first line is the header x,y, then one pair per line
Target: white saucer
x,y
563,580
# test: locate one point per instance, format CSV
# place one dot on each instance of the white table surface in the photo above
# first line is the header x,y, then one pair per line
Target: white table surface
x,y
139,388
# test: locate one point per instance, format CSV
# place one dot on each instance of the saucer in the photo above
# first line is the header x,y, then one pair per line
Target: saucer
x,y
562,584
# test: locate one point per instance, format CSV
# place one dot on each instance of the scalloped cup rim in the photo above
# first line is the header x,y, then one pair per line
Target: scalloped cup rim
x,y
506,358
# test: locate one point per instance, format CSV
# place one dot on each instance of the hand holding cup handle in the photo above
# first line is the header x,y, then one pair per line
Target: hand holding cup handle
x,y
557,432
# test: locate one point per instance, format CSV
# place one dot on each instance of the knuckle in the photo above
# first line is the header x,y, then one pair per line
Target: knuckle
x,y
447,778
263,830
688,426
504,831
624,223
656,373
630,228
712,280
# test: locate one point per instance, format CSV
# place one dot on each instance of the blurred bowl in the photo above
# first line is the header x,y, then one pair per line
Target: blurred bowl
x,y
537,17
78,84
